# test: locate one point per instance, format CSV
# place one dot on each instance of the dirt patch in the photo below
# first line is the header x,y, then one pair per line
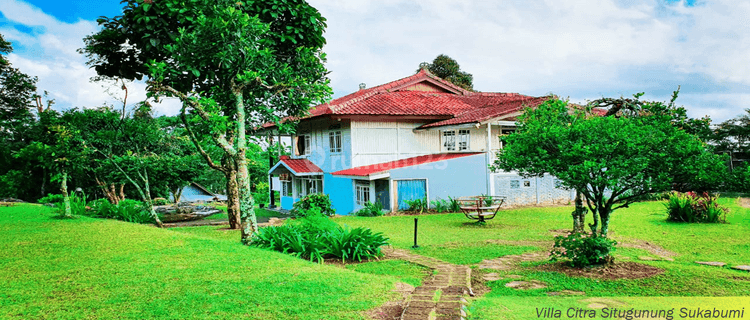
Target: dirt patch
x,y
614,271
388,311
744,202
478,284
650,247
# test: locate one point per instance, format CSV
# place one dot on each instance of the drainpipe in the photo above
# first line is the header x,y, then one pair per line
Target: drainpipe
x,y
536,184
488,157
271,205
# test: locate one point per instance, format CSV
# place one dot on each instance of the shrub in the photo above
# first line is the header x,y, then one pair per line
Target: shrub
x,y
370,210
160,202
583,249
126,210
454,205
51,198
77,204
417,205
307,205
318,238
261,194
440,205
692,207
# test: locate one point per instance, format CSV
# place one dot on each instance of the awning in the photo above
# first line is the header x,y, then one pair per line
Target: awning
x,y
297,167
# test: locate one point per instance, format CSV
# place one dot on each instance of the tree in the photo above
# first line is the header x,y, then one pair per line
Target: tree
x,y
290,46
610,160
734,134
448,69
227,46
17,93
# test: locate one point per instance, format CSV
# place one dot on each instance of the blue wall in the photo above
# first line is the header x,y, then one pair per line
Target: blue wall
x,y
286,203
341,192
460,177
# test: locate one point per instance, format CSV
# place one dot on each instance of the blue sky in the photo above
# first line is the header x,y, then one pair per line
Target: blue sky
x,y
573,48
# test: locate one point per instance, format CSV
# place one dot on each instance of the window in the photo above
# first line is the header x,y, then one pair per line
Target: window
x,y
450,139
463,140
362,191
515,184
303,145
527,184
286,188
307,186
334,137
286,184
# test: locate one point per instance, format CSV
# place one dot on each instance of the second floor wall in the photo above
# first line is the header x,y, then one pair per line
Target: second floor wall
x,y
338,145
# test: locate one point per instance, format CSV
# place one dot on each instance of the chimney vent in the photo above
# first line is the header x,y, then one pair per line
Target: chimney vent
x,y
362,86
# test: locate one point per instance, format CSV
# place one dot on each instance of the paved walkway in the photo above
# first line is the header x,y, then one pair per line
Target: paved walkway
x,y
443,295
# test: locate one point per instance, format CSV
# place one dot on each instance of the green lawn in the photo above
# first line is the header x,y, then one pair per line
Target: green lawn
x,y
451,237
95,268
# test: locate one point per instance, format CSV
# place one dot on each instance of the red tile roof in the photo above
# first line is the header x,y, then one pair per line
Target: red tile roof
x,y
433,97
364,171
298,166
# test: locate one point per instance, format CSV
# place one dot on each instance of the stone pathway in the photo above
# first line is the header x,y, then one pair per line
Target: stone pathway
x,y
262,222
440,298
722,264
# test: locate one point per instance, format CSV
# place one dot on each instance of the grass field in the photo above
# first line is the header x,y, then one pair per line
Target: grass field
x,y
93,268
451,237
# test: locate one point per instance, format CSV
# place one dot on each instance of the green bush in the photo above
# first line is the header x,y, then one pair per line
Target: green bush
x,y
307,206
440,205
454,205
417,205
77,204
583,249
318,238
370,210
160,202
126,210
51,198
692,207
261,194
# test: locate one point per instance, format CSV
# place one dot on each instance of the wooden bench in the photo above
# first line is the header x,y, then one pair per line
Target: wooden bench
x,y
480,208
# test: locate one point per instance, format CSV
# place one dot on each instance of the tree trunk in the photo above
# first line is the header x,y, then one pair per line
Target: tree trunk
x,y
177,194
233,196
579,214
66,197
148,201
604,214
594,226
249,222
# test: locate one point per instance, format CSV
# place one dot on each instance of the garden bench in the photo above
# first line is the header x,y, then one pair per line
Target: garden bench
x,y
480,207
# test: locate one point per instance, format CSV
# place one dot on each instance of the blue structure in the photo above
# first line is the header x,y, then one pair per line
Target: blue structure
x,y
195,192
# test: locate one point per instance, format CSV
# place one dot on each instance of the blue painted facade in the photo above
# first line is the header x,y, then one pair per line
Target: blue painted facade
x,y
341,192
459,177
191,193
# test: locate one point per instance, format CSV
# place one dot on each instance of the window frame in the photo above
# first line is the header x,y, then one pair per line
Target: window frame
x,y
335,139
449,140
304,187
463,136
361,192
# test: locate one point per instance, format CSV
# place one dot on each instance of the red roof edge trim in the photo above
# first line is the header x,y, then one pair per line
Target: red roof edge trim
x,y
363,171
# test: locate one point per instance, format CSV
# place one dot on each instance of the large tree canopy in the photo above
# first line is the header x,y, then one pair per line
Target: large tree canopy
x,y
611,160
448,69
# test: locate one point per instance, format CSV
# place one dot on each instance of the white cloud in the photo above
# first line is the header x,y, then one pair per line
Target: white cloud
x,y
48,51
575,48
570,47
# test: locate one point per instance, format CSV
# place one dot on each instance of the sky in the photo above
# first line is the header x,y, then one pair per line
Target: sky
x,y
579,49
